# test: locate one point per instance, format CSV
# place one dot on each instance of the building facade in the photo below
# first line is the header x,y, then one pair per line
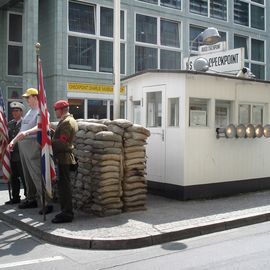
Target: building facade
x,y
77,43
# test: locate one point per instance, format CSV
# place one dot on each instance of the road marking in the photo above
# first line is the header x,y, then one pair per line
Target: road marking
x,y
49,259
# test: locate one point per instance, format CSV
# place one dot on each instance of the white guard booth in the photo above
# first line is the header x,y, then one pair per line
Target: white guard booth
x,y
183,110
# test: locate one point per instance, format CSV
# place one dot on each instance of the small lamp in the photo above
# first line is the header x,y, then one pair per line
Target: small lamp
x,y
259,131
241,131
209,36
266,131
230,131
250,131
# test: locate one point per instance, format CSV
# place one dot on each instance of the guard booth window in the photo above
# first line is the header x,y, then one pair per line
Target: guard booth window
x,y
251,114
223,113
198,112
173,112
154,109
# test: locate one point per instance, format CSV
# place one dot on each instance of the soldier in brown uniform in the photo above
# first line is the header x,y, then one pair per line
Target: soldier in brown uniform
x,y
17,177
62,151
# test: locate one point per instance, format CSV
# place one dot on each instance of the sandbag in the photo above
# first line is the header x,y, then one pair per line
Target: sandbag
x,y
108,136
123,123
139,128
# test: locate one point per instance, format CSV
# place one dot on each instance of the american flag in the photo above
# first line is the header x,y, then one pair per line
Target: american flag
x,y
4,151
44,139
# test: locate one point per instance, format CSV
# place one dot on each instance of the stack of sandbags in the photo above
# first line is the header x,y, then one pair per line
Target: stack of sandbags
x,y
82,193
134,183
106,174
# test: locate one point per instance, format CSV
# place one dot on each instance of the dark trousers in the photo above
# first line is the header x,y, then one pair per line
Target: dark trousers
x,y
16,179
64,189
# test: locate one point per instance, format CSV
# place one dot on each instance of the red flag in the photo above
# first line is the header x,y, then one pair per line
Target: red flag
x,y
44,138
4,151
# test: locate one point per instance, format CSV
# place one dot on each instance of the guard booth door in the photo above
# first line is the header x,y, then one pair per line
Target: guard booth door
x,y
154,119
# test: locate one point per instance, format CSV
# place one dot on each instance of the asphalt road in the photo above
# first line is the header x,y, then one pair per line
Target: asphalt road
x,y
241,248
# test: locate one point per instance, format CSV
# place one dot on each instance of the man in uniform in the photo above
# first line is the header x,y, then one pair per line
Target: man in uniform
x,y
62,151
14,127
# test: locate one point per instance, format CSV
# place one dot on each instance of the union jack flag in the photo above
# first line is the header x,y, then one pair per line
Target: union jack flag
x,y
44,138
4,151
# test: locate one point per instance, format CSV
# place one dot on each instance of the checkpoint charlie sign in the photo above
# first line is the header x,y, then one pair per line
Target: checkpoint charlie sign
x,y
230,61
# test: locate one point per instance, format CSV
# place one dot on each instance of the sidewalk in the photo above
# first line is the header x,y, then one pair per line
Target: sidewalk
x,y
165,220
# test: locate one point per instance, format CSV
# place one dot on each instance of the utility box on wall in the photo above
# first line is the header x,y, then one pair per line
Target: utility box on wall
x,y
183,110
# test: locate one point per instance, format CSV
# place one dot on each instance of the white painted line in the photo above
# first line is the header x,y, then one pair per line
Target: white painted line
x,y
49,259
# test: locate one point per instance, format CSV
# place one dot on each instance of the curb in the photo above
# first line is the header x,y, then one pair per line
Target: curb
x,y
101,244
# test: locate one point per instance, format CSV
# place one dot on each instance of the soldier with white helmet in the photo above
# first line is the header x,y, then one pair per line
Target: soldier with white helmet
x,y
17,177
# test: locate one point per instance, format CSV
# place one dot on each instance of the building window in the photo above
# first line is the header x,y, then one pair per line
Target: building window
x,y
171,3
176,4
90,38
146,58
194,31
173,112
15,47
82,18
170,59
223,113
122,109
82,53
156,46
250,13
251,114
15,27
198,112
254,54
146,29
169,34
210,8
76,108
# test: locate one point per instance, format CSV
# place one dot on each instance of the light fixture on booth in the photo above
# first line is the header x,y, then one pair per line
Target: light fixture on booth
x,y
250,131
266,131
259,131
201,64
241,131
230,131
209,36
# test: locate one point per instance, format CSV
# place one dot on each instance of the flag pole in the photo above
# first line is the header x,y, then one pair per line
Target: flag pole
x,y
37,45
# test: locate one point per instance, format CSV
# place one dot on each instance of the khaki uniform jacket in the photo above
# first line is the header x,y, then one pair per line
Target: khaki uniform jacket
x,y
62,140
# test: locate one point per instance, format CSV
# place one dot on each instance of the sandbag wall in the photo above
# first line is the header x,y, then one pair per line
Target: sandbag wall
x,y
134,183
81,181
111,167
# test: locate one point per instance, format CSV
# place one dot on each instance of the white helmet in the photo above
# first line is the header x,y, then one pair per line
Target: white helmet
x,y
17,105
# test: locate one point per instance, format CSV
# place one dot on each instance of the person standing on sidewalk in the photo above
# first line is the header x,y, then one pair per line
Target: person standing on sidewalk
x,y
17,177
62,150
30,153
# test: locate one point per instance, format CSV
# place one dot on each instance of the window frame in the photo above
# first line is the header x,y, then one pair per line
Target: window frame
x,y
191,49
250,3
249,62
158,46
163,6
251,106
209,12
98,37
207,102
176,113
228,104
13,43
